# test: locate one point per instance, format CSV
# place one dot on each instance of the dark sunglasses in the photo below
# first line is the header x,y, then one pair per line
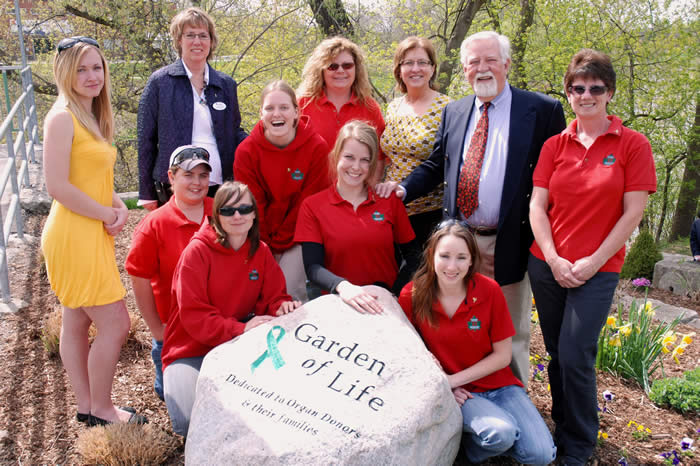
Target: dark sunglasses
x,y
594,90
191,153
243,209
69,42
346,66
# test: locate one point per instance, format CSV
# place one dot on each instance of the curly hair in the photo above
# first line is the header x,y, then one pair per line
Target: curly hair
x,y
312,83
425,283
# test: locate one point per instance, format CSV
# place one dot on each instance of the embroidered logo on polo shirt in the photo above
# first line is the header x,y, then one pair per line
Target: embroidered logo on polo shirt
x,y
253,275
377,216
297,175
474,324
609,160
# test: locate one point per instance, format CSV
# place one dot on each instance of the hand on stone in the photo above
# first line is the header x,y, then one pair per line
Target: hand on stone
x,y
385,189
697,258
287,307
461,395
255,321
562,271
358,298
150,206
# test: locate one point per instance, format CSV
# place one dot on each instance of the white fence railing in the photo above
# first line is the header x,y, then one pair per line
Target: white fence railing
x,y
20,134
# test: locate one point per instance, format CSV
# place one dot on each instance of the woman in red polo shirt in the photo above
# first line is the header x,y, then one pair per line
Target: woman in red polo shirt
x,y
464,321
283,162
591,186
335,89
160,238
226,283
347,232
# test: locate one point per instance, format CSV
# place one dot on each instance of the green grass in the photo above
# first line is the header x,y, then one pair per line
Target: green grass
x,y
680,246
131,204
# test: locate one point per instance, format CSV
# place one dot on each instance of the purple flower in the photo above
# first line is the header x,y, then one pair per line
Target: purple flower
x,y
641,282
608,395
686,443
622,461
540,367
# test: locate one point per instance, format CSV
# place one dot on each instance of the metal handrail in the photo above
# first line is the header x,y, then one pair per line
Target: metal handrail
x,y
20,143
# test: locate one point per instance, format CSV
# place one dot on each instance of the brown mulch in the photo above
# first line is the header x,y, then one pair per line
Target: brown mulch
x,y
38,412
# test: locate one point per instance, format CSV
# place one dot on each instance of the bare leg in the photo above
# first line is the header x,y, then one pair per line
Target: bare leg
x,y
112,322
74,348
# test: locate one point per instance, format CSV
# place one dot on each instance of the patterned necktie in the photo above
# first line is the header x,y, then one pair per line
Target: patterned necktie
x,y
468,188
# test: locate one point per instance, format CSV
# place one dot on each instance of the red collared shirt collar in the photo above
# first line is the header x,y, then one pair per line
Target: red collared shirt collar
x,y
335,197
323,99
614,129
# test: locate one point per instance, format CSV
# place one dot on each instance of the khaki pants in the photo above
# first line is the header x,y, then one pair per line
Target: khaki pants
x,y
292,264
518,298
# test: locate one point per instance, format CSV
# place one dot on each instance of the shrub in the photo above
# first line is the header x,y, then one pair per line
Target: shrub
x,y
641,257
124,444
681,393
634,349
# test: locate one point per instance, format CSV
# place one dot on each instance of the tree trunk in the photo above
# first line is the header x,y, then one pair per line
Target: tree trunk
x,y
527,13
689,194
331,17
459,32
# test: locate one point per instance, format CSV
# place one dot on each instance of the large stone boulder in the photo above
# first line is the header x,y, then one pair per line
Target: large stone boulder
x,y
325,385
677,273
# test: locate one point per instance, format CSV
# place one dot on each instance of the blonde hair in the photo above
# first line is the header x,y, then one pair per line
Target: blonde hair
x,y
362,133
410,43
194,18
100,120
282,86
323,55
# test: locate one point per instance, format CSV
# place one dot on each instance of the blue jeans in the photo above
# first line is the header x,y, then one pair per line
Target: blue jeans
x,y
505,422
156,349
180,389
571,320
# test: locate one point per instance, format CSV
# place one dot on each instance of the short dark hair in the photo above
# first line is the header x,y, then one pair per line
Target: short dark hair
x,y
589,63
235,190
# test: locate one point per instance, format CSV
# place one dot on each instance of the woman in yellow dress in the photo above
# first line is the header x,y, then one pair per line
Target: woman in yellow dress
x,y
78,237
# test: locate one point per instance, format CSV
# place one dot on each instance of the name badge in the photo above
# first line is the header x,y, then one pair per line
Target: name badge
x,y
219,106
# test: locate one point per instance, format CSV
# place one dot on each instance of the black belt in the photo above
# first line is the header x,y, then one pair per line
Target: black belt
x,y
482,231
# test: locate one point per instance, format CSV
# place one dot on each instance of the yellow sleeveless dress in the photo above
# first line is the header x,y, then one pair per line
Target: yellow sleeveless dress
x,y
79,253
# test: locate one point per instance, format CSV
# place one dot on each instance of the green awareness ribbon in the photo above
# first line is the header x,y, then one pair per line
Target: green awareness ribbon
x,y
271,351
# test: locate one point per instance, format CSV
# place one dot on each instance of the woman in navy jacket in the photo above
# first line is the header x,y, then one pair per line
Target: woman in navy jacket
x,y
187,102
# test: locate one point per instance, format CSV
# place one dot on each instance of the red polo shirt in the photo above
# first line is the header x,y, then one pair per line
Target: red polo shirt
x,y
328,121
156,246
587,186
467,338
358,245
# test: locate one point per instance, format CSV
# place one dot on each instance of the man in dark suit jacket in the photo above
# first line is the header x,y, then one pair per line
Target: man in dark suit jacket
x,y
519,124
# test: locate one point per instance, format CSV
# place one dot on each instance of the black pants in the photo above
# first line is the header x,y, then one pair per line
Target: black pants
x,y
571,320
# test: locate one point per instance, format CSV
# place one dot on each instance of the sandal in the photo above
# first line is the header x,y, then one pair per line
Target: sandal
x,y
85,417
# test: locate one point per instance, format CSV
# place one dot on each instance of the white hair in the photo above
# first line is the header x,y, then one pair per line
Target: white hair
x,y
503,44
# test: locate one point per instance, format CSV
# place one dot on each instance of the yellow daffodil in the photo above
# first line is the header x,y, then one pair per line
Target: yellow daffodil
x,y
602,435
611,322
631,423
535,317
677,351
626,329
615,340
687,338
649,309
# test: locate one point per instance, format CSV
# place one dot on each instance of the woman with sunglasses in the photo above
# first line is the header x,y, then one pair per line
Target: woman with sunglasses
x,y
160,238
591,186
283,162
412,121
335,89
464,321
187,102
347,232
226,283
78,237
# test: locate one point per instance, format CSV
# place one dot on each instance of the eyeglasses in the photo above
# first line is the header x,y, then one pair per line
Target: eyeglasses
x,y
69,42
594,90
243,209
192,36
420,63
190,153
346,66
